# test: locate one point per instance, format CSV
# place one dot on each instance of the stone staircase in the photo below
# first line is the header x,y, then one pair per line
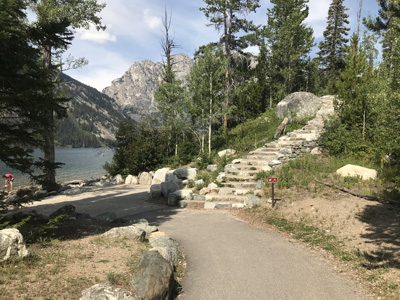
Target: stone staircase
x,y
238,187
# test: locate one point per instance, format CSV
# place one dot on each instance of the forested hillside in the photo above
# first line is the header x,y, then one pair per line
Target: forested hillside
x,y
92,118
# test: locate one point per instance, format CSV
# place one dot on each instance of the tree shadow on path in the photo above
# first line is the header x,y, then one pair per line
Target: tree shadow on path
x,y
127,203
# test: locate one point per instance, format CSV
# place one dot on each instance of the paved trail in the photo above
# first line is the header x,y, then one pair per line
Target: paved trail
x,y
227,259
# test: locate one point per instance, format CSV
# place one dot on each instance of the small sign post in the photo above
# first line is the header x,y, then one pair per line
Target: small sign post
x,y
273,180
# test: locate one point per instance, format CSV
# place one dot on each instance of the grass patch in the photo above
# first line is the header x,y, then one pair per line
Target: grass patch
x,y
301,172
311,235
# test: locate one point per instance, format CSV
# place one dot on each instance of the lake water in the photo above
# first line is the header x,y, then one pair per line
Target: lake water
x,y
79,164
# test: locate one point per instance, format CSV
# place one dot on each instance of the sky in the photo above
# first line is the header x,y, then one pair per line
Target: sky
x,y
134,31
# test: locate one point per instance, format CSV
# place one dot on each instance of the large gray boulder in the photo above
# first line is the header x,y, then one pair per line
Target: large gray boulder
x,y
252,201
131,180
105,292
132,232
189,173
153,278
160,176
226,152
172,184
174,197
145,178
12,244
155,191
357,171
162,241
298,105
144,224
118,179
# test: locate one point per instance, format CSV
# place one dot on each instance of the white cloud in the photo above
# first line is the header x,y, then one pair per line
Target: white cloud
x,y
98,37
151,21
317,16
104,65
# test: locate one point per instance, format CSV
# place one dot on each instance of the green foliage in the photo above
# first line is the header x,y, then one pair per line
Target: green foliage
x,y
47,231
202,161
312,236
115,278
385,24
141,147
70,133
53,31
25,89
205,97
333,47
290,42
355,126
263,175
79,128
225,15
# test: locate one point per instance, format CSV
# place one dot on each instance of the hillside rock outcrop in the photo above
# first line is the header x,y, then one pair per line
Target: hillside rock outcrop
x,y
134,91
298,105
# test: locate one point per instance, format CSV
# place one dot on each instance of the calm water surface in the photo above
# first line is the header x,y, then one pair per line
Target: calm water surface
x,y
80,164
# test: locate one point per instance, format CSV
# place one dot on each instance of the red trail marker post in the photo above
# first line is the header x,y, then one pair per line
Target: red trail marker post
x,y
273,180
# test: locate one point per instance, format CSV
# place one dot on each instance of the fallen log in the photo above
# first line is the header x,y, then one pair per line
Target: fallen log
x,y
366,197
281,128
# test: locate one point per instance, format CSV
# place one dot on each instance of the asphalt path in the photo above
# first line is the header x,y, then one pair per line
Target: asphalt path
x,y
226,258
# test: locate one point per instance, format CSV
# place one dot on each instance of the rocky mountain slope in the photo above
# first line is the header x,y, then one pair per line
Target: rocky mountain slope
x,y
93,117
134,91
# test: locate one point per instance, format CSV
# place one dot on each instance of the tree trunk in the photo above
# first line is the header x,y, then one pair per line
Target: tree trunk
x,y
209,119
48,134
281,128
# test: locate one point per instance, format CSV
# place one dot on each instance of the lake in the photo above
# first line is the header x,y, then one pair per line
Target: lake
x,y
79,164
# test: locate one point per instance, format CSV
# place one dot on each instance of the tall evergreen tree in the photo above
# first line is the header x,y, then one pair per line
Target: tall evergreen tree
x,y
333,48
224,15
24,89
170,93
388,13
290,43
55,22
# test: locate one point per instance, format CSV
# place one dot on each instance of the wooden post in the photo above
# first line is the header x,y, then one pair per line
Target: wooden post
x,y
273,196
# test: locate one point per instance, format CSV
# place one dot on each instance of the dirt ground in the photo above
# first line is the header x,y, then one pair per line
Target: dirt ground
x,y
370,230
62,269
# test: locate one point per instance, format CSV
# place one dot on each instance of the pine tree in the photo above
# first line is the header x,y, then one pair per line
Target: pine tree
x,y
170,94
24,89
224,15
290,43
333,47
388,13
54,25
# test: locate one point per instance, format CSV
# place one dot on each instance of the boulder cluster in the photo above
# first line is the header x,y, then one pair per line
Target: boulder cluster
x,y
153,278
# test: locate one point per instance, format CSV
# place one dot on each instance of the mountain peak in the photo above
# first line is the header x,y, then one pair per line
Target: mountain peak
x,y
134,91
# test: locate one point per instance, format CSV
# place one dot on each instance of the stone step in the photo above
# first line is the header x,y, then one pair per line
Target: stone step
x,y
260,158
224,198
238,178
264,154
223,205
265,150
273,145
284,144
257,168
301,131
249,185
227,191
243,172
253,161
